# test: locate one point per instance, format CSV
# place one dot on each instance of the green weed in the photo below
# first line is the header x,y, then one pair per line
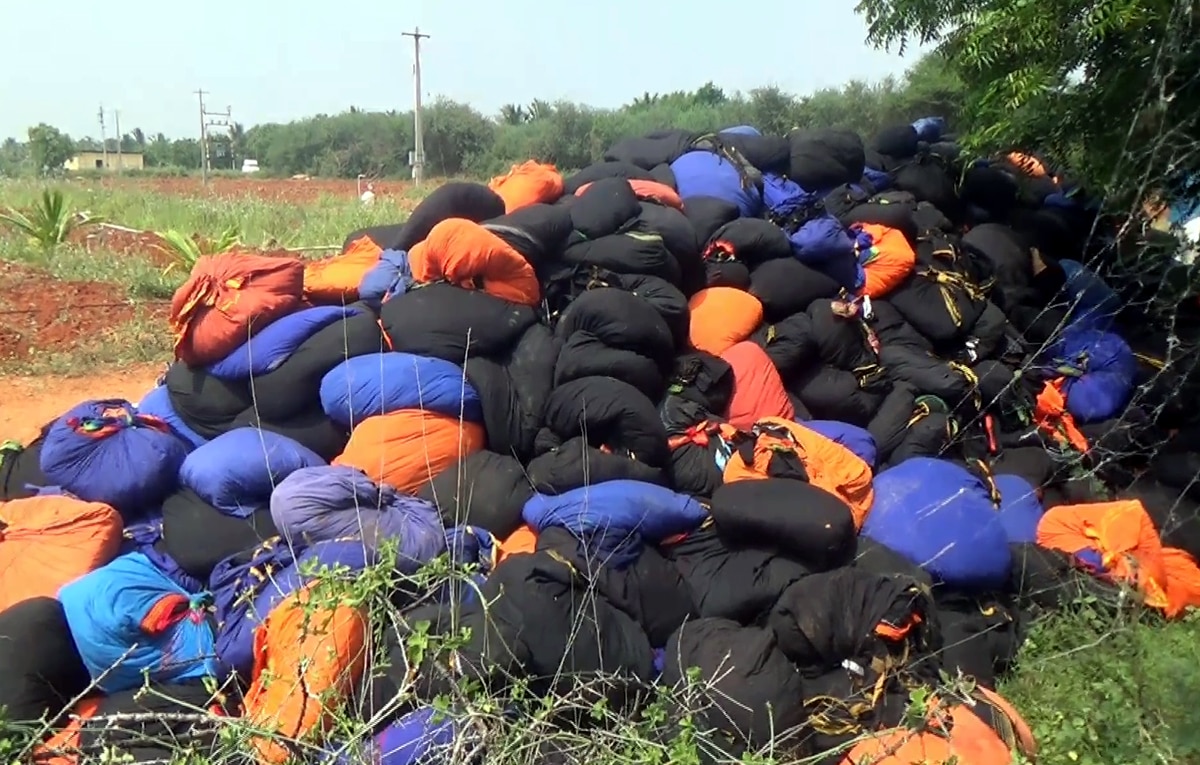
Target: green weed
x,y
49,221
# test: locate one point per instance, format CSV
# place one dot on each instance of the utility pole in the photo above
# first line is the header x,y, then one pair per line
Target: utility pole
x,y
103,140
120,159
418,135
203,140
208,120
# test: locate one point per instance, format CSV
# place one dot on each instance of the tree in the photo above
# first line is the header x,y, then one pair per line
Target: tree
x,y
459,140
1106,87
49,148
513,114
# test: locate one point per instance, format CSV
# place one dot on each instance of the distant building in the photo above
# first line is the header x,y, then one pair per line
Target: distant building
x,y
95,160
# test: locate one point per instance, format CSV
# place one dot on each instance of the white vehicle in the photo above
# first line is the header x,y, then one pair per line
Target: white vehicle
x,y
249,165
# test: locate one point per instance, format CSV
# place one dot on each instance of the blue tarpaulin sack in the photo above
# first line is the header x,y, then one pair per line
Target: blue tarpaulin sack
x,y
930,129
390,277
880,180
856,439
421,737
1100,371
614,518
277,341
325,503
323,559
236,583
705,174
742,130
106,451
816,237
1093,303
378,383
942,518
1020,508
129,619
238,470
157,403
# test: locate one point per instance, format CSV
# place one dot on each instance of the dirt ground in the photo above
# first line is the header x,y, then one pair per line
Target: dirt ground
x,y
28,403
39,312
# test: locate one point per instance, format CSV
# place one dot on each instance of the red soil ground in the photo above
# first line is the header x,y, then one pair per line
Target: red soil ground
x,y
39,313
143,244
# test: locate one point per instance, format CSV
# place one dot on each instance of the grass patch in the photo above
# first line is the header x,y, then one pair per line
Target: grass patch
x,y
1099,689
263,222
140,278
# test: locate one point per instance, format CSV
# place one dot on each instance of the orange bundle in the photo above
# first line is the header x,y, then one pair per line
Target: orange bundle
x,y
308,658
406,449
46,542
227,299
467,255
528,183
722,317
335,280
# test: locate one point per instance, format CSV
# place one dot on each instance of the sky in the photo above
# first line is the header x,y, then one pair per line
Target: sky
x,y
273,61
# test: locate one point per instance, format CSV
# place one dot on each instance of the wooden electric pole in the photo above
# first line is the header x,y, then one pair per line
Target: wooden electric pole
x,y
120,159
203,139
418,134
103,139
207,120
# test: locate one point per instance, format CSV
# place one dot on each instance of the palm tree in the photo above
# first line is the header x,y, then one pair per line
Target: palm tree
x,y
645,100
539,109
513,114
237,143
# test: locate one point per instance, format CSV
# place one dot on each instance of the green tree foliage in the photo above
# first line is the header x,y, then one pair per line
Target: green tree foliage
x,y
1109,87
459,140
49,148
14,158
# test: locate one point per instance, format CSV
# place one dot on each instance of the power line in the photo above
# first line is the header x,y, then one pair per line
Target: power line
x,y
418,163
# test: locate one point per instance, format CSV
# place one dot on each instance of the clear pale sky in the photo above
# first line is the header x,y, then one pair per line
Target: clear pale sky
x,y
274,61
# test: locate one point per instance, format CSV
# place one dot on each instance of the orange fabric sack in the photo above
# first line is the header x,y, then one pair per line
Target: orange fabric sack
x,y
467,255
653,191
830,466
307,661
46,542
1051,415
1183,581
1123,535
520,542
966,739
1028,164
335,280
721,317
1025,742
57,750
528,183
227,299
757,388
406,449
890,261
